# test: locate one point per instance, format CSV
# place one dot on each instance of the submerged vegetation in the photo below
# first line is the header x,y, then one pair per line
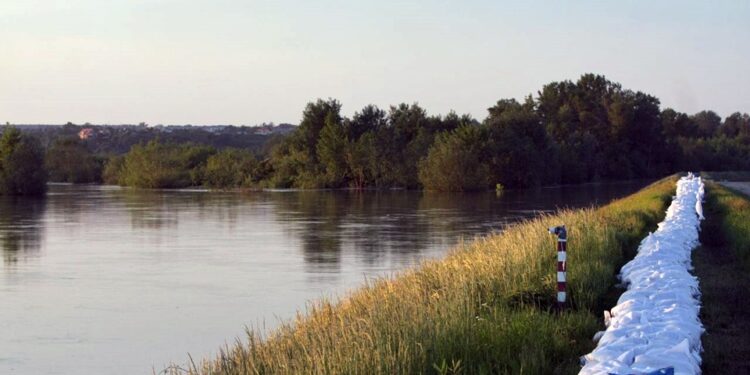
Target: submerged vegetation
x,y
485,308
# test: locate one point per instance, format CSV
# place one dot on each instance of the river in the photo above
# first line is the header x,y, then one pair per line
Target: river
x,y
100,279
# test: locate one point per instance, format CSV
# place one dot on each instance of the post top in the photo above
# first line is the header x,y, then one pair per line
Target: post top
x,y
560,232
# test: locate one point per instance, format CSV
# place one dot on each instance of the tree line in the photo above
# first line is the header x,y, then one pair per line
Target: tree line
x,y
570,132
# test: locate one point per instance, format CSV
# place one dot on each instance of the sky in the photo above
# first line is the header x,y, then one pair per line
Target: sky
x,y
248,62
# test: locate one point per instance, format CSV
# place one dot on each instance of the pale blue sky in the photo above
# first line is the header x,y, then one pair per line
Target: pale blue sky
x,y
246,62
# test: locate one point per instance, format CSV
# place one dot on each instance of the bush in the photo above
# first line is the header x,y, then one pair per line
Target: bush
x,y
163,165
231,168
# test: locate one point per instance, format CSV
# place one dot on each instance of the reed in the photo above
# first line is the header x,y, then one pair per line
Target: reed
x,y
487,307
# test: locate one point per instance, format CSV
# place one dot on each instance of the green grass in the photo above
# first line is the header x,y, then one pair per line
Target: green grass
x,y
733,230
484,308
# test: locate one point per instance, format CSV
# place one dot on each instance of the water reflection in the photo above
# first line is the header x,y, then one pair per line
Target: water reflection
x,y
20,227
149,209
368,224
315,218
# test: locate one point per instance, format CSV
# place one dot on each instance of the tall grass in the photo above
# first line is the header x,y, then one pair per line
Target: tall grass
x,y
485,308
733,226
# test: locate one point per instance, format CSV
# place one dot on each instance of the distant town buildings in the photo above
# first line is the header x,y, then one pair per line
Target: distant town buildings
x,y
86,133
118,139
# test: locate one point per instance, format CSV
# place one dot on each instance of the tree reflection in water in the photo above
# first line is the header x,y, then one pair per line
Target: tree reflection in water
x,y
20,227
367,225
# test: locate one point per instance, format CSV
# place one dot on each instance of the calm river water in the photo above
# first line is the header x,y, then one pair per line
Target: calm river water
x,y
104,280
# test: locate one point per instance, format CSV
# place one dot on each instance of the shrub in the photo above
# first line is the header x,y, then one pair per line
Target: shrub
x,y
231,168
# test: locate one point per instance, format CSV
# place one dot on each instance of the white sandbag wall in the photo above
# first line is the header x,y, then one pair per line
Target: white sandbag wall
x,y
655,324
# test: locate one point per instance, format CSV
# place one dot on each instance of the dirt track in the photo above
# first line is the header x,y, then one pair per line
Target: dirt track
x,y
741,186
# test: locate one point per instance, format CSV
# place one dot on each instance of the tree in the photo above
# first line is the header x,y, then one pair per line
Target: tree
x,y
331,151
572,132
295,160
231,168
677,124
519,149
370,119
314,119
408,141
68,160
112,173
164,165
708,123
457,161
21,164
736,124
362,160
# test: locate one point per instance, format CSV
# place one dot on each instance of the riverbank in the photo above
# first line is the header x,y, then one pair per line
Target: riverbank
x,y
487,307
721,264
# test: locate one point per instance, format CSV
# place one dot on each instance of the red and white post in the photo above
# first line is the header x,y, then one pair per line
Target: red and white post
x,y
562,264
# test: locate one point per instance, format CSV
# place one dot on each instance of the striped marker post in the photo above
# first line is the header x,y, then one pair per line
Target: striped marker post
x,y
562,248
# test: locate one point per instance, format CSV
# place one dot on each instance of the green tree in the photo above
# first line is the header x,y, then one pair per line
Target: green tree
x,y
112,172
295,160
370,119
164,165
520,151
231,168
331,151
736,124
21,164
676,124
408,141
362,160
457,161
68,160
708,123
314,119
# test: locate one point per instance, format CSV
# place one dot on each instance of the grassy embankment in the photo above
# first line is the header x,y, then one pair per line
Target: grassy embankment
x,y
485,308
722,264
